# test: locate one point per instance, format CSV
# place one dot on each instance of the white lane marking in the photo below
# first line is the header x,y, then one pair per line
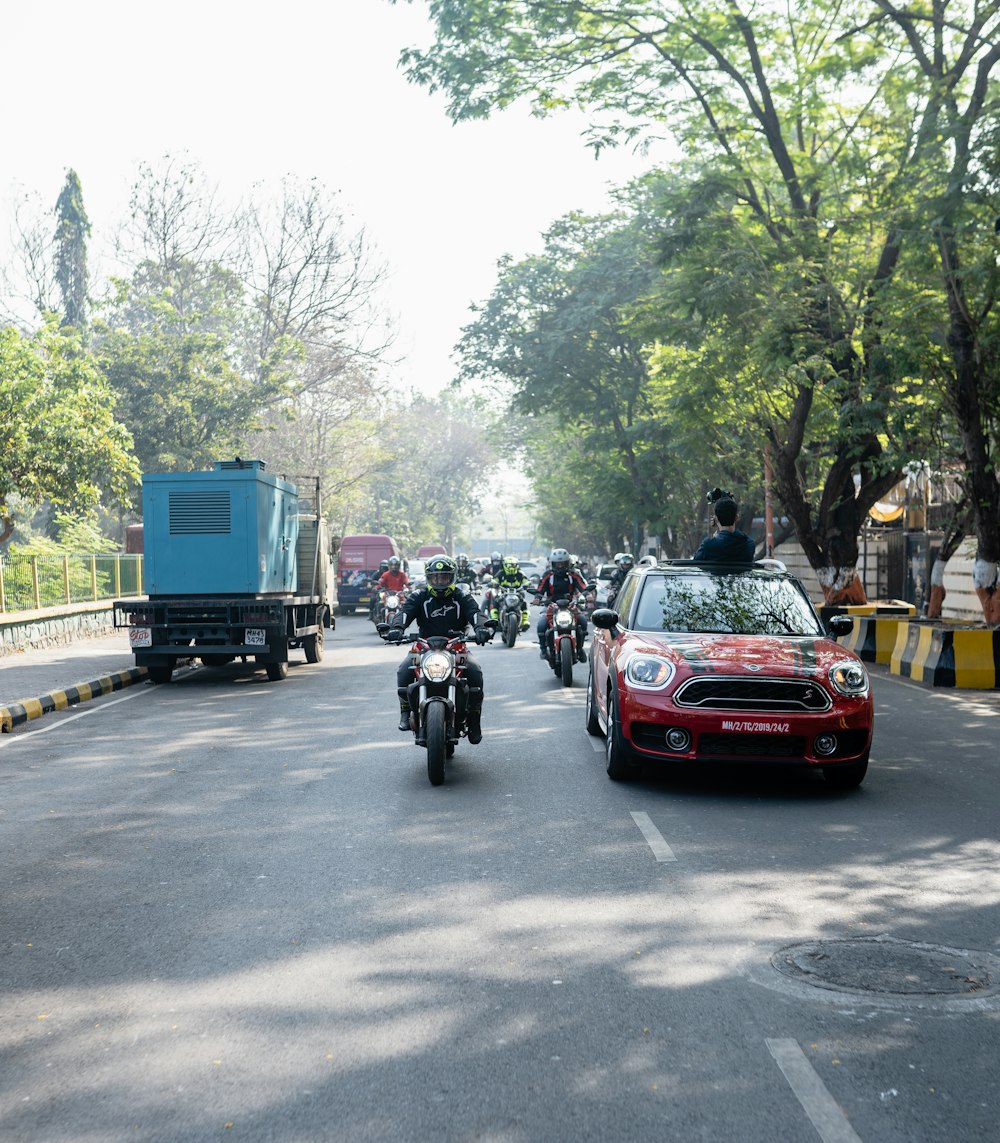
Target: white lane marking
x,y
823,1111
9,740
661,851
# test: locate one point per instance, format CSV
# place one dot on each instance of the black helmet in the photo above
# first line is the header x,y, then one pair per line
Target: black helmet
x,y
394,563
440,572
384,565
463,560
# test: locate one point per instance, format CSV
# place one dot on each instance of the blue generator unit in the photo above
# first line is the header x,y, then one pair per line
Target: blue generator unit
x,y
229,531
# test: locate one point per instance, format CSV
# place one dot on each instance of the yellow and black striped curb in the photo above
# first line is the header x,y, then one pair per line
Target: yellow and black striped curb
x,y
874,637
947,656
27,709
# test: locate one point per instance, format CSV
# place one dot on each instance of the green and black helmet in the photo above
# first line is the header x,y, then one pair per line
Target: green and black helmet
x,y
441,572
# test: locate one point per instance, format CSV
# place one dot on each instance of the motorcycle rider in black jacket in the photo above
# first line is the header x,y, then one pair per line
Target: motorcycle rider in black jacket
x,y
438,609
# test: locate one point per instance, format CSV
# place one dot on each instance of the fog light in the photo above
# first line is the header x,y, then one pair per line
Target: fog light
x,y
678,739
825,744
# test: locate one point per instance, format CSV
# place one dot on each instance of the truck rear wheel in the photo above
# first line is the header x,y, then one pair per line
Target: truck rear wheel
x,y
276,671
313,647
160,674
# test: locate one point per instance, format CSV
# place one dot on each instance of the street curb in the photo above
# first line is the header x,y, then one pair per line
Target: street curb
x,y
31,708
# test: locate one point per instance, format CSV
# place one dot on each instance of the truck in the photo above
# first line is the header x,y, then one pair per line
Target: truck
x,y
236,565
357,564
426,551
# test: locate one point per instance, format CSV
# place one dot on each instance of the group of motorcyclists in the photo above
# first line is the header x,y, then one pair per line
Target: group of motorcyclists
x,y
444,606
441,608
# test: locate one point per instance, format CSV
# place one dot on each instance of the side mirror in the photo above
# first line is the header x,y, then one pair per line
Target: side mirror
x,y
839,625
606,619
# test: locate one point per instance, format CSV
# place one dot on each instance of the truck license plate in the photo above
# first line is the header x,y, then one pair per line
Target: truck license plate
x,y
140,637
255,637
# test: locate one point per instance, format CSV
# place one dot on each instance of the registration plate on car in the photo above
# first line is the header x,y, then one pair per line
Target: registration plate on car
x,y
140,637
755,726
255,637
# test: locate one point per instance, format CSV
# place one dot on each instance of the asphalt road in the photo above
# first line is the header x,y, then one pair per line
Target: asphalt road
x,y
236,909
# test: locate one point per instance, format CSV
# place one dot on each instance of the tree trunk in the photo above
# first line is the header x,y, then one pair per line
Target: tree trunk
x,y
966,387
955,533
831,541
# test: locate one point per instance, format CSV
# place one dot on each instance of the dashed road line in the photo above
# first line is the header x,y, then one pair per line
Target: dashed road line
x,y
661,851
822,1109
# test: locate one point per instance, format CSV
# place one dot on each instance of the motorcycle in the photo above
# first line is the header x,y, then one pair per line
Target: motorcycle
x,y
510,609
439,696
391,603
561,638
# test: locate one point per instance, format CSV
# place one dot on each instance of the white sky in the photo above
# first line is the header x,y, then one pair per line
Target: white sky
x,y
253,91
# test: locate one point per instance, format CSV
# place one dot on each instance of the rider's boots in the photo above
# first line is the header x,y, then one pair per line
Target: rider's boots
x,y
525,621
473,725
542,652
404,710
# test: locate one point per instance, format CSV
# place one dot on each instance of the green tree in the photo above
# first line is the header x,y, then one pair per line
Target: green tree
x,y
72,232
439,459
954,49
809,136
568,332
58,435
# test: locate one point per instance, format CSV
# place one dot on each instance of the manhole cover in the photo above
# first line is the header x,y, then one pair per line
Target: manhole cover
x,y
885,967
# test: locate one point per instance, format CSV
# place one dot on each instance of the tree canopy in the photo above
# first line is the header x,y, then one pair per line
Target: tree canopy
x,y
815,137
58,434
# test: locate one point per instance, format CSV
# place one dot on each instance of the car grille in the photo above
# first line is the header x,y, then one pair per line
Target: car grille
x,y
719,692
751,746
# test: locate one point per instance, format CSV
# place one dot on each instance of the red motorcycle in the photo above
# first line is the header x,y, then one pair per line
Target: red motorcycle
x,y
439,696
563,637
391,602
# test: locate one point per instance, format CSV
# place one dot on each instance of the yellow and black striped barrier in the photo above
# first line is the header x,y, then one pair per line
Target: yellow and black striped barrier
x,y
874,637
940,656
27,709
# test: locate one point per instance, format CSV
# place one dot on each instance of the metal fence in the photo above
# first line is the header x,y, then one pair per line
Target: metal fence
x,y
46,581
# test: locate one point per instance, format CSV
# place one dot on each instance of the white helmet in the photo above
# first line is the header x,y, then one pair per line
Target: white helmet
x,y
559,559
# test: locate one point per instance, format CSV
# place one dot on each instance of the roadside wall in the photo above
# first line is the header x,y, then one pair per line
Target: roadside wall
x,y
960,598
49,626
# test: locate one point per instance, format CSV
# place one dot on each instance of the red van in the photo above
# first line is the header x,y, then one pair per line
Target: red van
x,y
425,551
357,568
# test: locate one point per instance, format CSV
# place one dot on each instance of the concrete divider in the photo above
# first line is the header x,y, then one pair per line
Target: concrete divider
x,y
947,656
874,637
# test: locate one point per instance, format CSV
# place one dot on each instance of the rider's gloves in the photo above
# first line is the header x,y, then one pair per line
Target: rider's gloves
x,y
482,636
395,635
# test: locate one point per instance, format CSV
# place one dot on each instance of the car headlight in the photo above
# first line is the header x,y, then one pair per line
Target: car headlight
x,y
849,678
649,672
436,667
564,620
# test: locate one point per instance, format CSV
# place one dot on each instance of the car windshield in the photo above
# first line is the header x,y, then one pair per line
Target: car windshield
x,y
726,603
